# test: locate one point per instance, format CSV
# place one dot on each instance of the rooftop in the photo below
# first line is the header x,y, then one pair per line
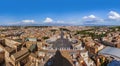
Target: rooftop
x,y
31,39
20,53
115,52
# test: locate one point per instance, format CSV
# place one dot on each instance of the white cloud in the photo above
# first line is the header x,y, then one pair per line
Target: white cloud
x,y
48,20
28,21
114,15
91,19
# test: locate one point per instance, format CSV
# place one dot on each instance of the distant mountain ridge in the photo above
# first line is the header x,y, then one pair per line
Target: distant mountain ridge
x,y
53,24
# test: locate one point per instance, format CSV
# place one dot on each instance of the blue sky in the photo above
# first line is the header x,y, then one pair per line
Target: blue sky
x,y
60,11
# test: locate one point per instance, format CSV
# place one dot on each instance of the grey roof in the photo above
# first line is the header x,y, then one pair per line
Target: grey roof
x,y
31,39
33,47
114,52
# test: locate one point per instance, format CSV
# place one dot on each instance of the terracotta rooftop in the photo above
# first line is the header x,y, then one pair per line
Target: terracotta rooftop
x,y
20,53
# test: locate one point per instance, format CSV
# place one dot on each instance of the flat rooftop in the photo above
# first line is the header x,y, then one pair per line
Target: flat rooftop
x,y
110,51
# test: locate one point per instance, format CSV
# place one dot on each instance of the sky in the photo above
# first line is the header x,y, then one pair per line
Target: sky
x,y
75,12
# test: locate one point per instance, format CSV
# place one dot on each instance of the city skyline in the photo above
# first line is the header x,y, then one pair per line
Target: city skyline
x,y
72,12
